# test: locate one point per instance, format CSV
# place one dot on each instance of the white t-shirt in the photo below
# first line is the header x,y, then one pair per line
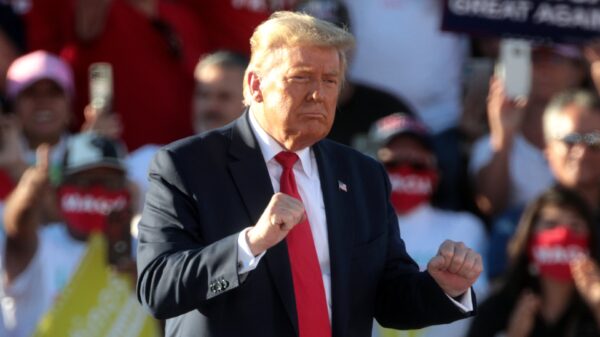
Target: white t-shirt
x,y
400,48
528,169
423,231
34,291
138,163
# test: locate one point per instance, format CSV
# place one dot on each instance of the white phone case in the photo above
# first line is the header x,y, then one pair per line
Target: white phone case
x,y
514,67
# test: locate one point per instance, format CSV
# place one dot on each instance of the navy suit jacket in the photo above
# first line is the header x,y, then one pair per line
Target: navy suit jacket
x,y
205,189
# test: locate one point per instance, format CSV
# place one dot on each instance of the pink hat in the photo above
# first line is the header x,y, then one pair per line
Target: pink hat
x,y
32,67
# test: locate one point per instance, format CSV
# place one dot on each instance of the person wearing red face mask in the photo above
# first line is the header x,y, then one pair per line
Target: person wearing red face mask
x,y
405,148
551,288
42,248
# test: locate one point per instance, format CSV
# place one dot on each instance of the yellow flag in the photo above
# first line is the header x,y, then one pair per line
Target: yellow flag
x,y
384,332
97,302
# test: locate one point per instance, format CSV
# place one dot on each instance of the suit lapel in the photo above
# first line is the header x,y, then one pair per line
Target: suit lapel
x,y
248,169
252,179
336,194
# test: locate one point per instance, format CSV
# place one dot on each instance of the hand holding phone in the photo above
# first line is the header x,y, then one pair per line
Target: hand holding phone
x,y
98,114
101,87
505,115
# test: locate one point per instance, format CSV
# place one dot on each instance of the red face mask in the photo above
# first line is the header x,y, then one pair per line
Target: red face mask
x,y
551,251
411,187
86,209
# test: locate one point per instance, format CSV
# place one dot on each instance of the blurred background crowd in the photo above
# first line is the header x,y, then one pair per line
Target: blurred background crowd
x,y
516,179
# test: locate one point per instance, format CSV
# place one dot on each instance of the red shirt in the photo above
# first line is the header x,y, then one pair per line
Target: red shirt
x,y
49,24
152,86
6,185
232,22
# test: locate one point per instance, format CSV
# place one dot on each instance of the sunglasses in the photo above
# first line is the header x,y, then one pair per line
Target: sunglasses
x,y
591,139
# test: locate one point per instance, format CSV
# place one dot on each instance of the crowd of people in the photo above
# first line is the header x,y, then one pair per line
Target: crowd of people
x,y
517,180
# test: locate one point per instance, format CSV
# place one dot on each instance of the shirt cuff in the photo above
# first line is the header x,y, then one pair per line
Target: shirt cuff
x,y
246,261
466,301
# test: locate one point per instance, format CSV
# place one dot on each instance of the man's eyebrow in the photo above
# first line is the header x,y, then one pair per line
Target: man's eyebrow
x,y
310,68
301,69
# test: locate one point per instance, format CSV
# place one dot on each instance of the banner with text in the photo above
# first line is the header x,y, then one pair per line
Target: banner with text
x,y
555,20
97,303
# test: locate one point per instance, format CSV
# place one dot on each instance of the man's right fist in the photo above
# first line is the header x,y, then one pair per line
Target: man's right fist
x,y
281,215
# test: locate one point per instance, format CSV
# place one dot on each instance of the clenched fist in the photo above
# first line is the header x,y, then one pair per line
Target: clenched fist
x,y
281,215
455,267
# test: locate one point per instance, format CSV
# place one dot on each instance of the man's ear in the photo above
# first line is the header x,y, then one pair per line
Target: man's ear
x,y
254,86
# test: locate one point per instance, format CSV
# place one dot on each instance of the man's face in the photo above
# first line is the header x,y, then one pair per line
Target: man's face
x,y
297,94
43,110
551,216
218,97
108,178
575,164
407,150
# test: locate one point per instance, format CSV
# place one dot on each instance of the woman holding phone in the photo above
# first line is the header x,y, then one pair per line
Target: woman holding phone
x,y
552,287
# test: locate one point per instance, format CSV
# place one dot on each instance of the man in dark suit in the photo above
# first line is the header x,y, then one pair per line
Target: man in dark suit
x,y
264,228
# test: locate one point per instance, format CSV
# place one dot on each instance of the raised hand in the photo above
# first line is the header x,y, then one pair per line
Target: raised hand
x,y
592,55
455,267
504,115
586,275
22,213
523,316
35,179
104,123
281,215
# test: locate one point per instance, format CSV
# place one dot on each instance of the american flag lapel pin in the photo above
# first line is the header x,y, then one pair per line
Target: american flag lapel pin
x,y
342,186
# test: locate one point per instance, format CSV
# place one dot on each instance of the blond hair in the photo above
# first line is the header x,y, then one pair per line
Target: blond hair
x,y
287,29
551,119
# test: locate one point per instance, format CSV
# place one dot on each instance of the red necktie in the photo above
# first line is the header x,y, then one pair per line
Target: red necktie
x,y
311,305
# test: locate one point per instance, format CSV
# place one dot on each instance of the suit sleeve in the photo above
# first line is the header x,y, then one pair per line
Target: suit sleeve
x,y
177,270
407,298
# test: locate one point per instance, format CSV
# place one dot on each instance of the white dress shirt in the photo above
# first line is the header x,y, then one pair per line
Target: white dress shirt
x,y
309,186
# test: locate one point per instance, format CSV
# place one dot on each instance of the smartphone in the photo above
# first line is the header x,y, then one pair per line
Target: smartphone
x,y
118,235
101,86
514,67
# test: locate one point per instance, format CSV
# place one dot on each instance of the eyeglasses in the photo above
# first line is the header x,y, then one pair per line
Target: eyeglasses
x,y
591,139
